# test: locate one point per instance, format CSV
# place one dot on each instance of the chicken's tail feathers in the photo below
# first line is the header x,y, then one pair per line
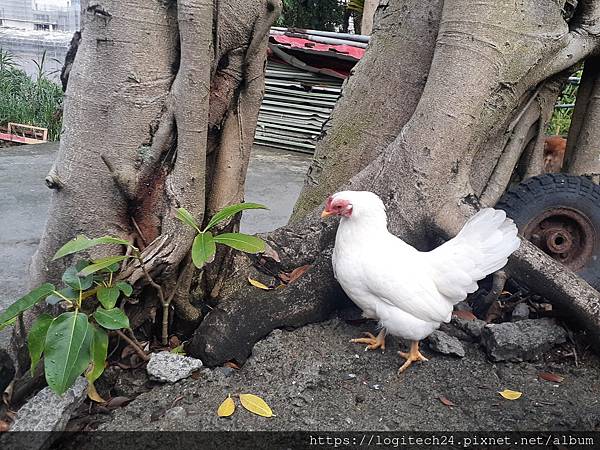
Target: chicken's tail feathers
x,y
480,248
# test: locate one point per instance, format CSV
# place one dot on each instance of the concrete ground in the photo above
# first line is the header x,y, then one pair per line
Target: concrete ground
x,y
24,200
314,379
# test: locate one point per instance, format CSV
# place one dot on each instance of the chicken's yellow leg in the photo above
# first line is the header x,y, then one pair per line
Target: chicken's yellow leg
x,y
413,355
372,341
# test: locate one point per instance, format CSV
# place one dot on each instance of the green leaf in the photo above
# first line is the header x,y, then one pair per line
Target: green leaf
x,y
67,350
99,350
108,296
241,241
36,339
179,350
100,264
230,211
185,216
111,319
81,243
10,323
26,302
112,268
125,288
73,278
67,292
203,249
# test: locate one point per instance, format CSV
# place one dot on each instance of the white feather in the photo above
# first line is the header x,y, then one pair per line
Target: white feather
x,y
408,291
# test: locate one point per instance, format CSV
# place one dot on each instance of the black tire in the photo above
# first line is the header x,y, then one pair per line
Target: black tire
x,y
556,197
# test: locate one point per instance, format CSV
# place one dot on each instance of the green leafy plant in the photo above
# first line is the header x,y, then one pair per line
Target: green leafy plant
x,y
560,121
76,341
29,100
205,243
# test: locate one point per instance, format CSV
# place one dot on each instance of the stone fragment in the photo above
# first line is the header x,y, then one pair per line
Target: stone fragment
x,y
170,367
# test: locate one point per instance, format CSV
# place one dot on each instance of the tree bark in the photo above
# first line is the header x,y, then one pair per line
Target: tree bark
x,y
368,16
492,80
160,109
377,100
583,152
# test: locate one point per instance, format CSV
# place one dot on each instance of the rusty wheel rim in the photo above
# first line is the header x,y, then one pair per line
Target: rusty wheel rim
x,y
565,234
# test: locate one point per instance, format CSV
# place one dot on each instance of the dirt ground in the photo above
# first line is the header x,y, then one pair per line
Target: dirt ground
x,y
314,379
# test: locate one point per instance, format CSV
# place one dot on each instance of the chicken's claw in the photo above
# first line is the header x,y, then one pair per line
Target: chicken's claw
x,y
372,342
412,356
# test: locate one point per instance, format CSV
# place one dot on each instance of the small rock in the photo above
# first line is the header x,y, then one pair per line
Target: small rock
x,y
350,376
463,306
524,340
170,367
452,330
226,371
521,312
442,343
176,414
46,412
471,327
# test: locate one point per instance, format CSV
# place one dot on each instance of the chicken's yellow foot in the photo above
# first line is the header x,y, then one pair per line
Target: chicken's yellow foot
x,y
372,341
413,355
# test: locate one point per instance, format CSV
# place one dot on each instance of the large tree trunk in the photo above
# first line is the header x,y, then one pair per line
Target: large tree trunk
x,y
161,105
367,117
454,145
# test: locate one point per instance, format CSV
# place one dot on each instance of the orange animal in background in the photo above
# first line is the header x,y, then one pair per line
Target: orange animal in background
x,y
554,153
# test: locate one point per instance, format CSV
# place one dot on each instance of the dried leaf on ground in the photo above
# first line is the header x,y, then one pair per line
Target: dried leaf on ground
x,y
494,312
92,393
231,365
294,274
298,272
465,315
258,284
510,394
174,341
3,426
446,402
551,377
270,253
117,402
227,408
256,405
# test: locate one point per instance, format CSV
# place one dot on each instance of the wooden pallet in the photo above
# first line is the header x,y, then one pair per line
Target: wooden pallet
x,y
24,134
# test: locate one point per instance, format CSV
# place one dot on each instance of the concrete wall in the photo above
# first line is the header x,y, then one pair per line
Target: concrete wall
x,y
26,46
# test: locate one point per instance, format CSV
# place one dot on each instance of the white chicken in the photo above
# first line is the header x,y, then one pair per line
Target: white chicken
x,y
410,292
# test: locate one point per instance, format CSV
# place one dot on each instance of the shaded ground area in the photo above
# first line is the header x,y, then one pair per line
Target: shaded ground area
x,y
24,200
314,379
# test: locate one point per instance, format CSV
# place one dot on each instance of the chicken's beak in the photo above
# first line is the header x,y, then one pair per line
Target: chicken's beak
x,y
326,213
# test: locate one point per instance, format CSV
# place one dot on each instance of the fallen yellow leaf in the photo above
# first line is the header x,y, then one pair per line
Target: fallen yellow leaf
x,y
510,395
258,284
255,405
227,408
93,393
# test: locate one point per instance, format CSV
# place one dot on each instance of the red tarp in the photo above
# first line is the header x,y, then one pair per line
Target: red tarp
x,y
355,52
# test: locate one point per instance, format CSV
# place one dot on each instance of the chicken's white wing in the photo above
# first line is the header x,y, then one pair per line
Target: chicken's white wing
x,y
482,247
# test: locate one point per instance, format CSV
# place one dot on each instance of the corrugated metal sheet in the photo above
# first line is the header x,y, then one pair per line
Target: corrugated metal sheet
x,y
295,107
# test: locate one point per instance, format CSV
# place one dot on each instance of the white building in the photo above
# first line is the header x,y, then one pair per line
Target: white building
x,y
40,15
